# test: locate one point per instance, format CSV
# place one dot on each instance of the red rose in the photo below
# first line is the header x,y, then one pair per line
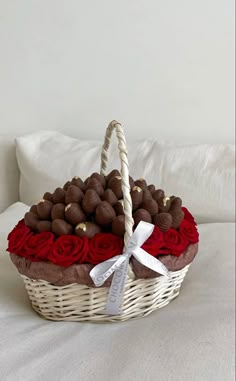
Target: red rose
x,y
175,242
189,231
37,246
17,237
154,242
104,246
188,216
68,249
164,251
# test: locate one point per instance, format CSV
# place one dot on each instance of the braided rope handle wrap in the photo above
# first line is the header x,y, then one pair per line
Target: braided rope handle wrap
x,y
123,153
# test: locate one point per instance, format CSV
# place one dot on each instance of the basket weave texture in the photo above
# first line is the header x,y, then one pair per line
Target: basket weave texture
x,y
77,302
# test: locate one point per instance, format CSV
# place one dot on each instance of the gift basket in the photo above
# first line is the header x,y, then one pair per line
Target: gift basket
x,y
104,249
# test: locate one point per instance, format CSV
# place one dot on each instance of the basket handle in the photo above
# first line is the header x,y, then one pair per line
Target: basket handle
x,y
123,153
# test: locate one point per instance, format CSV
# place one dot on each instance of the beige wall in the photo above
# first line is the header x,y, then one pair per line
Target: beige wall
x,y
163,68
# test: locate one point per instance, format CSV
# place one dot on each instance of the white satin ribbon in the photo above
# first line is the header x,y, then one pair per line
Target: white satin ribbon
x,y
119,266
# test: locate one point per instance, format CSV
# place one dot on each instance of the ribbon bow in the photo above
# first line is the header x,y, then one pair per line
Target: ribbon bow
x,y
119,266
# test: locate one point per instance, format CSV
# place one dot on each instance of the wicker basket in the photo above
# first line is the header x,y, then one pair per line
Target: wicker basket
x,y
77,302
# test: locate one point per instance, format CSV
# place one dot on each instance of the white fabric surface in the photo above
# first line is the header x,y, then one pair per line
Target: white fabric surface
x,y
203,175
191,339
9,173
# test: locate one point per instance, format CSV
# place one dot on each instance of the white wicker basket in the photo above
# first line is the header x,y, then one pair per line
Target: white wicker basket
x,y
77,302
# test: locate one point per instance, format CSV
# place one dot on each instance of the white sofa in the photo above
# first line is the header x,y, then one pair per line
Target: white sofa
x,y
190,339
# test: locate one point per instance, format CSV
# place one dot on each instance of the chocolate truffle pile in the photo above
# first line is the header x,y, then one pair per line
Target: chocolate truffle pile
x,y
95,205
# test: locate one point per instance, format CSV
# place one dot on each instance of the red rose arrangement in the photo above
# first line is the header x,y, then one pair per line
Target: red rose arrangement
x,y
174,241
68,249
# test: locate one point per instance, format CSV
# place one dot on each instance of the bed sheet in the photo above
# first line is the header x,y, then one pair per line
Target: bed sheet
x,y
190,339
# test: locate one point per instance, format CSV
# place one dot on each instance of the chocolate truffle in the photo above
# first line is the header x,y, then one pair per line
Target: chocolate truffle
x,y
33,210
141,183
151,188
159,193
163,221
136,196
115,185
66,185
90,201
164,204
151,206
48,196
110,197
58,212
31,220
95,185
44,209
78,182
118,225
176,203
100,178
104,213
177,218
44,226
119,207
74,214
87,229
59,196
142,215
73,194
131,182
87,180
61,227
147,196
112,174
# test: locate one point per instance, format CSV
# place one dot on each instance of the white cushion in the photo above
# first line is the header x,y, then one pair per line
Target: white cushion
x,y
9,173
203,175
10,216
190,339
8,219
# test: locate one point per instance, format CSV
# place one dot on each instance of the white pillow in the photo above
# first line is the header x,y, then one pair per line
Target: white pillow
x,y
11,215
8,219
9,173
203,175
48,159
